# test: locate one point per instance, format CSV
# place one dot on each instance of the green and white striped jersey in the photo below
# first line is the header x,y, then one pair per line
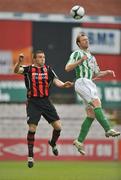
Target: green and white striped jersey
x,y
88,68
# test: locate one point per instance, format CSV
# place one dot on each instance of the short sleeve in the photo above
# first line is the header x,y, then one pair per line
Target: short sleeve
x,y
26,69
51,74
23,69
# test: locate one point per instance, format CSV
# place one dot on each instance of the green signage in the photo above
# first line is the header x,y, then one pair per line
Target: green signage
x,y
12,91
110,94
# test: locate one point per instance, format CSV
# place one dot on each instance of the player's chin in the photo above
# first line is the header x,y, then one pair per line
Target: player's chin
x,y
41,64
87,45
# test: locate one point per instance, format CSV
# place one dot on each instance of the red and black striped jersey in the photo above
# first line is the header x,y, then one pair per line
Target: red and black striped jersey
x,y
38,80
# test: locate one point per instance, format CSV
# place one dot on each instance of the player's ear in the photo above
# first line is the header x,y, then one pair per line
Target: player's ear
x,y
78,43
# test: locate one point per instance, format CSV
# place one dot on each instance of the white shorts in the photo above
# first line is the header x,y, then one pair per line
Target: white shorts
x,y
86,89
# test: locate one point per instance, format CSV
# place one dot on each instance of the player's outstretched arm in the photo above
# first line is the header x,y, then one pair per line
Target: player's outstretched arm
x,y
61,84
18,64
103,74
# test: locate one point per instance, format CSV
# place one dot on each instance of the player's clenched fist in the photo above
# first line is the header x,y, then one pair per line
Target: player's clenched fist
x,y
21,57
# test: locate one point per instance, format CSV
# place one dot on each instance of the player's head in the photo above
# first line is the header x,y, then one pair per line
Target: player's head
x,y
39,58
82,41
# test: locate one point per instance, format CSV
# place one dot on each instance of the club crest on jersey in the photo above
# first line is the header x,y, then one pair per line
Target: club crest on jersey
x,y
45,69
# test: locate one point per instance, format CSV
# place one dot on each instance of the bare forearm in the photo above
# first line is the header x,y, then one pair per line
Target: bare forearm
x,y
58,83
17,66
70,67
105,73
19,63
102,74
61,84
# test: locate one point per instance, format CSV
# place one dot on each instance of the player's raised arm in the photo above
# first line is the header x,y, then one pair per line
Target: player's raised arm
x,y
17,68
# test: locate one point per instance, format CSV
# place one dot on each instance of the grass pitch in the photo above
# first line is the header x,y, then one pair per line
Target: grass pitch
x,y
60,170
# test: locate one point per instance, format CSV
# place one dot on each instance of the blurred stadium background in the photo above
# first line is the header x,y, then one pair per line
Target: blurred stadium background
x,y
35,24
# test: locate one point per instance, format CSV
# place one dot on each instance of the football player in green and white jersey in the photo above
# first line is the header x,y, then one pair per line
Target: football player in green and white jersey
x,y
87,69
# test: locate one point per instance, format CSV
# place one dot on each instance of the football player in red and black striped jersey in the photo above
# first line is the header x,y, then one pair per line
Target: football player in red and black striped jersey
x,y
38,79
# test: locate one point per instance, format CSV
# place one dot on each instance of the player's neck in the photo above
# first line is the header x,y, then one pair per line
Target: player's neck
x,y
84,49
38,65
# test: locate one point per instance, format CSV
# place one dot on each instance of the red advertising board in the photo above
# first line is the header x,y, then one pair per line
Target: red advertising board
x,y
16,38
16,149
112,62
15,35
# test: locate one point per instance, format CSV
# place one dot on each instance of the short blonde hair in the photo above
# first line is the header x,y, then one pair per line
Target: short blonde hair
x,y
78,37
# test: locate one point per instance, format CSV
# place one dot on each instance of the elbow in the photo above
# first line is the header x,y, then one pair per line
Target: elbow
x,y
67,69
15,71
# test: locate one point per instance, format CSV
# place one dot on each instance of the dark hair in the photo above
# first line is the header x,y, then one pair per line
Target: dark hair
x,y
34,54
78,37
